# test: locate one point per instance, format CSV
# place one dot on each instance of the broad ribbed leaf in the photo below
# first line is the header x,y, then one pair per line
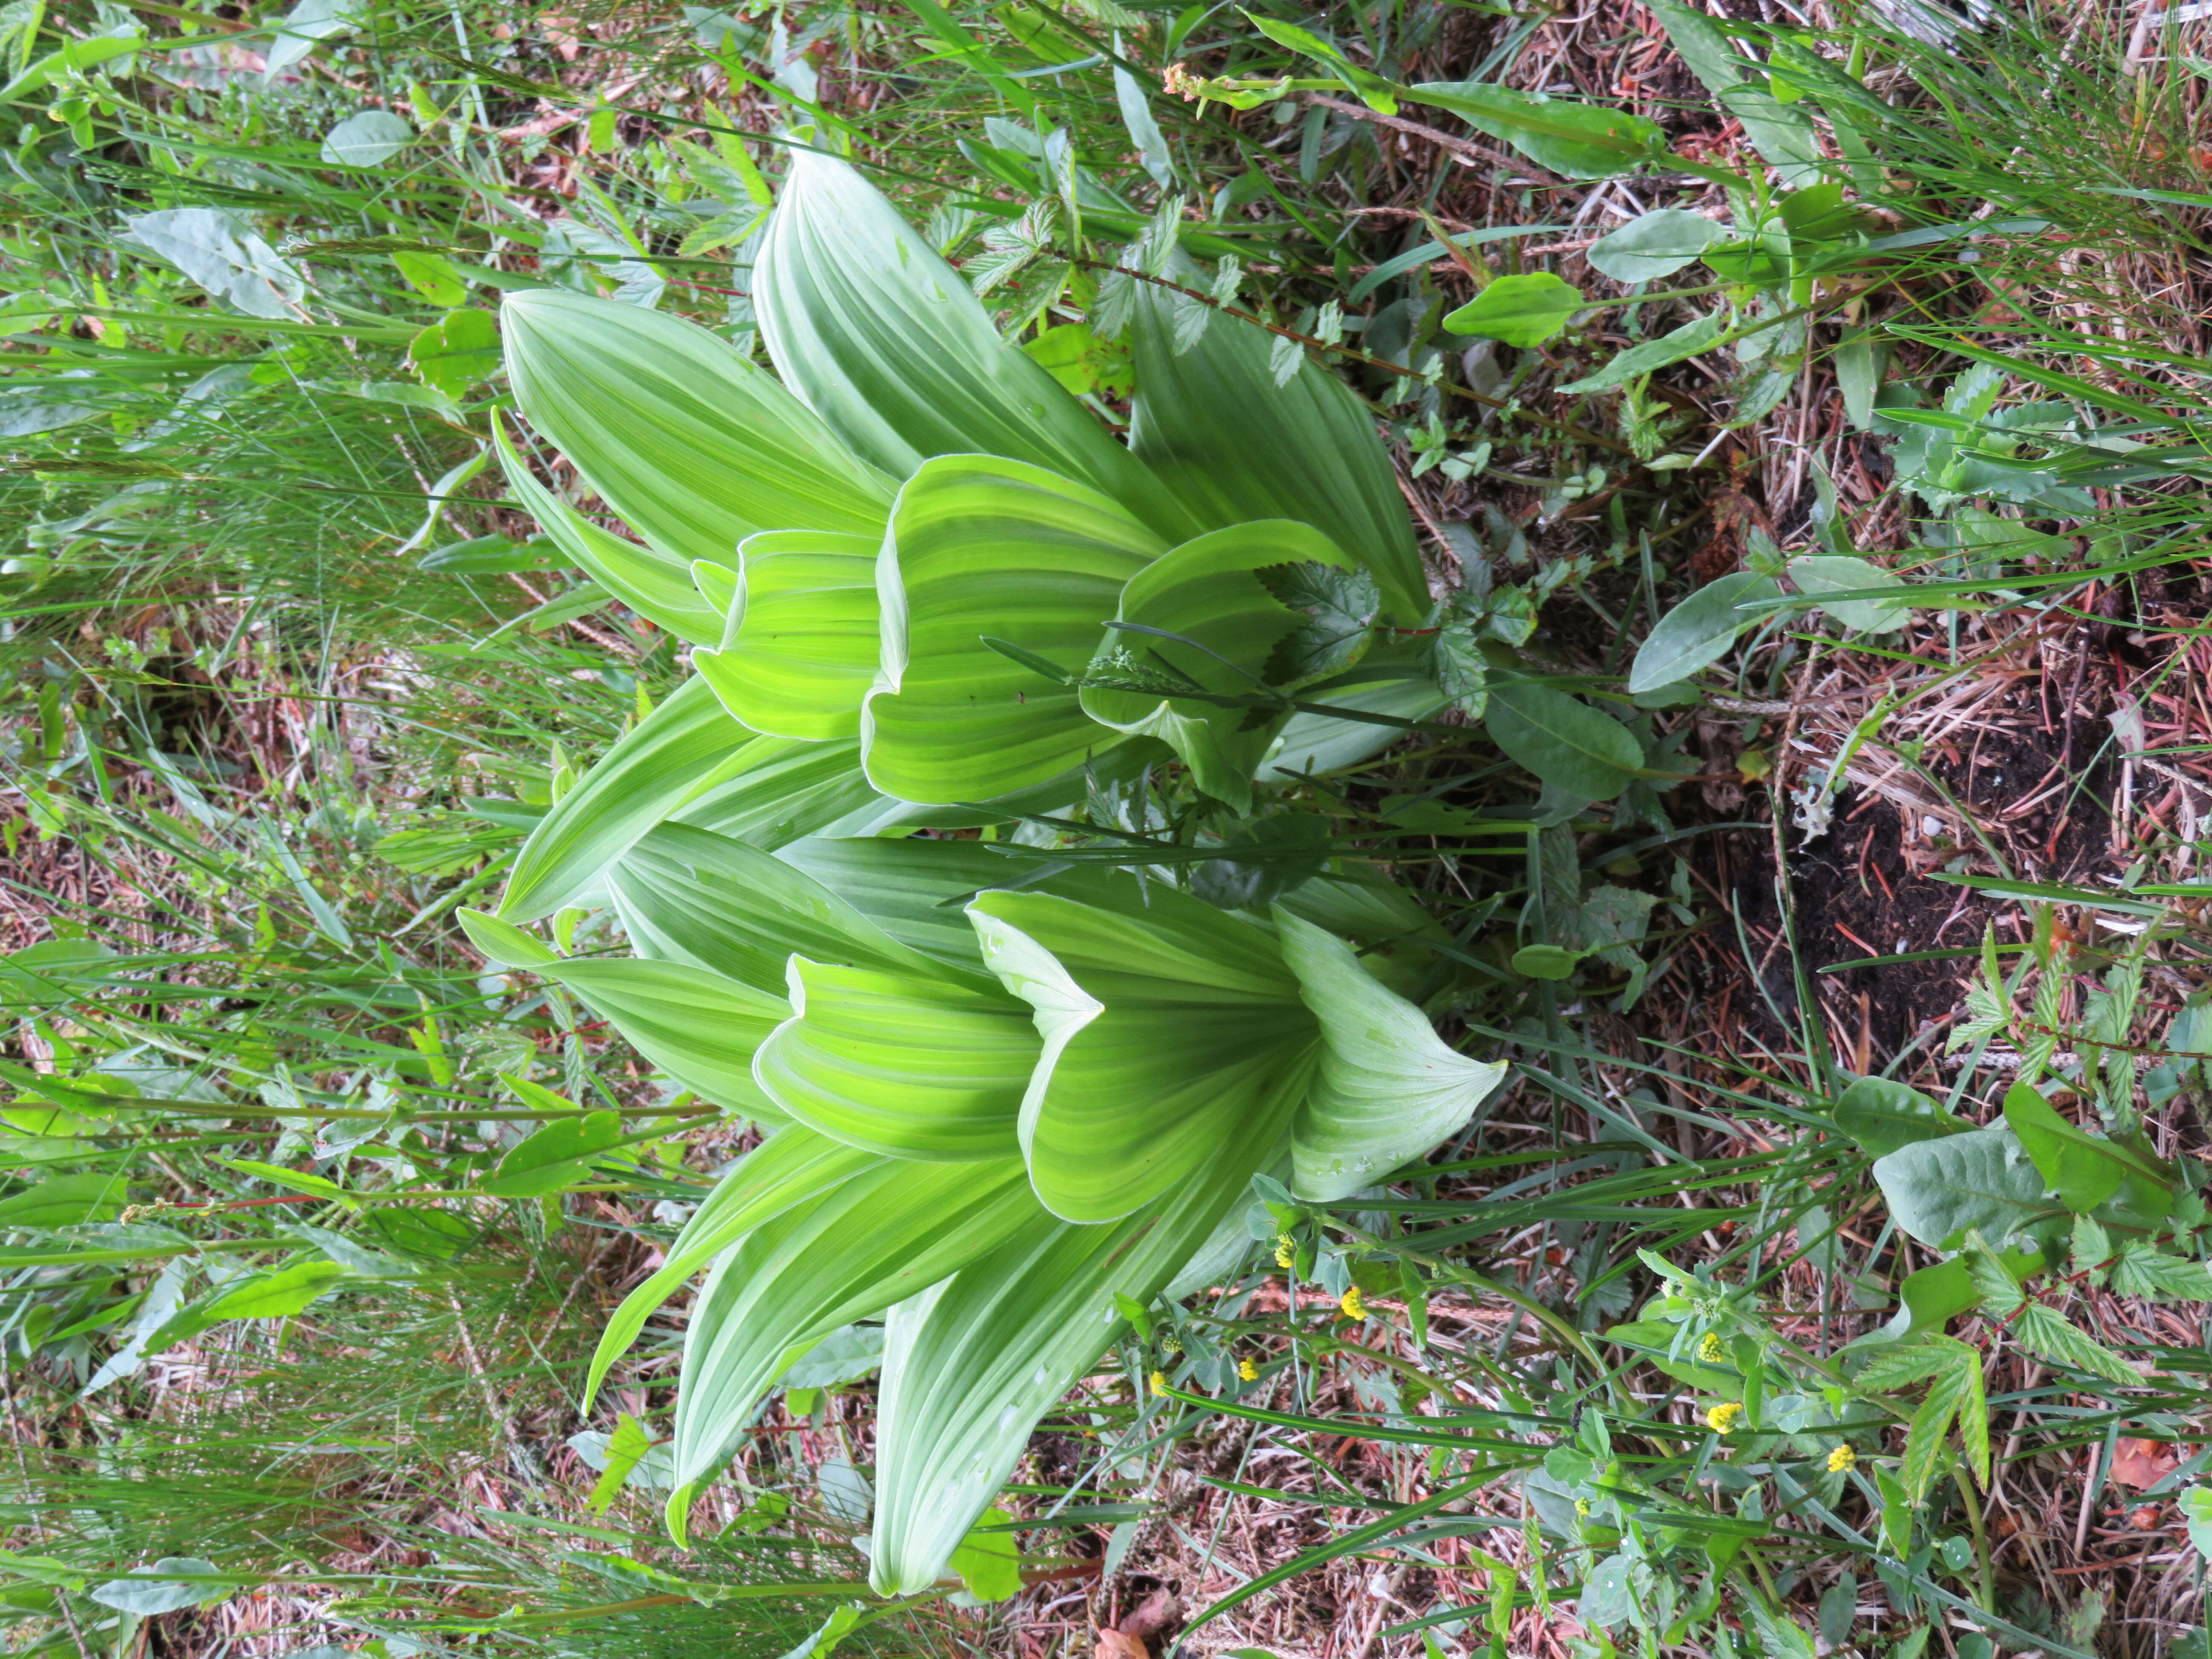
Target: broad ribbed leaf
x,y
1163,1029
654,585
698,1026
970,1365
791,1166
695,448
1212,423
1206,592
687,745
883,1235
916,891
1388,1089
907,1065
800,651
1389,680
783,789
888,344
981,546
685,895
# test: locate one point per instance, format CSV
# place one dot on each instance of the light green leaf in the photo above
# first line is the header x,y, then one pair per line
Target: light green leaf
x,y
800,649
1212,423
1144,129
684,894
1577,141
1164,1029
899,1063
777,790
971,1365
365,140
1782,134
148,1594
699,1027
1313,743
1840,573
656,586
989,1559
1519,310
695,446
625,1449
1388,1090
217,250
554,1157
1882,1115
1370,87
1546,962
2084,1170
1701,334
978,546
879,1238
1568,744
2149,1272
887,343
65,1201
1698,632
1983,1179
790,1167
1208,591
2048,1333
685,746
276,1294
1654,245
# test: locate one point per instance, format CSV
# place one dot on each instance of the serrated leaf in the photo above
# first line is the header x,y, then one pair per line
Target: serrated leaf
x,y
2145,1271
2045,1331
1340,605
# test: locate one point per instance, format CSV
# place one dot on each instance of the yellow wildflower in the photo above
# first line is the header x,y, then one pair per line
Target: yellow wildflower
x,y
1582,1506
1710,1351
1159,1384
1284,1254
1841,1459
1353,1306
1248,1371
1722,1417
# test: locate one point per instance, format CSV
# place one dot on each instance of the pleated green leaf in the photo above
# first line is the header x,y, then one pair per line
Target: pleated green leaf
x,y
1163,1029
687,895
657,586
982,546
1389,680
1206,592
791,1166
800,651
881,1235
1387,1088
970,1365
687,745
700,1027
1211,421
888,344
915,891
693,445
906,1066
781,789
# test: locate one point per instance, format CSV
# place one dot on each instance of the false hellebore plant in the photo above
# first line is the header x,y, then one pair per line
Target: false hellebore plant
x,y
928,587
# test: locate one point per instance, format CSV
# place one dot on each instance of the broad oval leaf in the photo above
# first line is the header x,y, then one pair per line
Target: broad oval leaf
x,y
1983,1179
1701,334
981,546
554,1156
659,588
1207,592
1568,744
1580,141
366,139
1883,1115
1519,310
1821,573
693,445
1212,420
899,1063
1164,1029
1388,1089
880,1236
790,1167
685,746
887,342
687,895
800,650
1698,632
971,1365
1655,245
